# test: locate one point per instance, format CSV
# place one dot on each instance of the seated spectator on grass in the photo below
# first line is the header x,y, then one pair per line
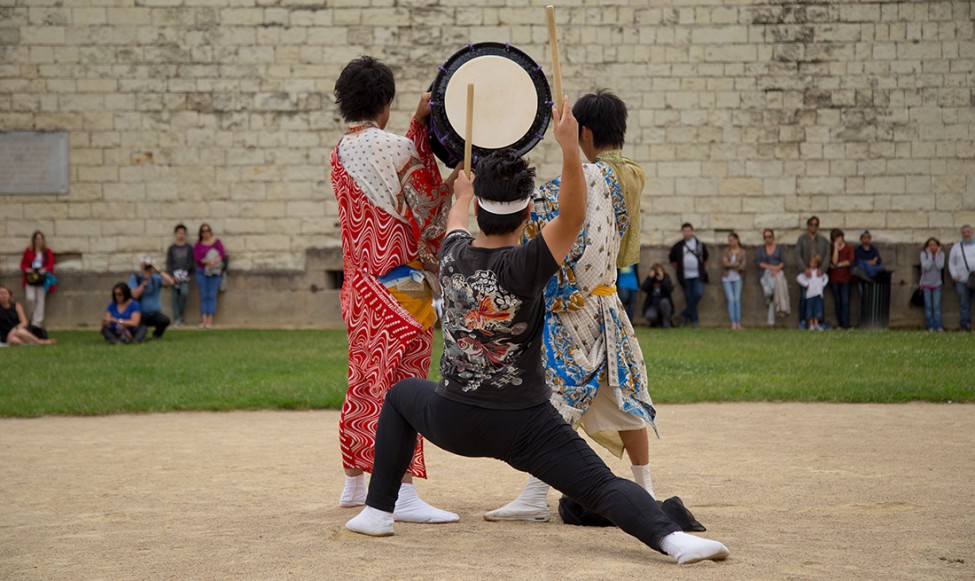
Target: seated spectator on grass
x,y
13,323
658,307
123,317
146,286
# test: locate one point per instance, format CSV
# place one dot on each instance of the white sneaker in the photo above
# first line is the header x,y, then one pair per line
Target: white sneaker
x,y
531,504
689,549
410,508
372,522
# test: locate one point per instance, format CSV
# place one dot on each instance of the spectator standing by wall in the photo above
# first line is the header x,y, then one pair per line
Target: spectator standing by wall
x,y
146,286
932,266
689,259
814,284
179,265
733,261
840,277
808,244
961,263
37,264
770,259
209,256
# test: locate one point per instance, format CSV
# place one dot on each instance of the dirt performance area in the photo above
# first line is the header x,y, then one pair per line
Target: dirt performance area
x,y
796,491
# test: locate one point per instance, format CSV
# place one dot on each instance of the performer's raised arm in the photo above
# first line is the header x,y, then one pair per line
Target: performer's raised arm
x,y
562,231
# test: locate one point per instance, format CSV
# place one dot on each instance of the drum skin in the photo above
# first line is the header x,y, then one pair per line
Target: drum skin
x,y
512,102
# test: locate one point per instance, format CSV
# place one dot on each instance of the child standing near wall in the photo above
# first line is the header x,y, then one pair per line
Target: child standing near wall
x,y
814,281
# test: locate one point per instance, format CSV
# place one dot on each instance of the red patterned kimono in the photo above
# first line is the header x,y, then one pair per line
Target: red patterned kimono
x,y
392,209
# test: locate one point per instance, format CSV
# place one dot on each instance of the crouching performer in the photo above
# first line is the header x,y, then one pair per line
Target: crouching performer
x,y
493,400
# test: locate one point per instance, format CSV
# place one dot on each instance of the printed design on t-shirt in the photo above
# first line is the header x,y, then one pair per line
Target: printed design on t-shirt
x,y
479,329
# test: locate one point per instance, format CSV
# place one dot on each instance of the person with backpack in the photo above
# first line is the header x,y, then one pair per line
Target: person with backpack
x,y
689,258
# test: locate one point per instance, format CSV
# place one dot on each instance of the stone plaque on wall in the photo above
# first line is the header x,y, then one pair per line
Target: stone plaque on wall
x,y
33,162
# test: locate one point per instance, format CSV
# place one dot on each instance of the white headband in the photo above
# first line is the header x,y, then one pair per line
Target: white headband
x,y
502,208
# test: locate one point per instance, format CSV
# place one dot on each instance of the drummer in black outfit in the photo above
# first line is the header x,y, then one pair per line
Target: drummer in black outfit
x,y
493,400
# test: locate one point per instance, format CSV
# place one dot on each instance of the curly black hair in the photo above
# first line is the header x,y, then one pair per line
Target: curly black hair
x,y
605,115
364,88
502,176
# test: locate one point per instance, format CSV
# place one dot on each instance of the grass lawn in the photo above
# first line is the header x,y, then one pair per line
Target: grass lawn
x,y
306,369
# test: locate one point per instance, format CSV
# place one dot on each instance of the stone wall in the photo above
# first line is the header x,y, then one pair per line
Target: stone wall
x,y
745,113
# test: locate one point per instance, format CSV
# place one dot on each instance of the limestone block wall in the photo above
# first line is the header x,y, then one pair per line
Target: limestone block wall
x,y
745,113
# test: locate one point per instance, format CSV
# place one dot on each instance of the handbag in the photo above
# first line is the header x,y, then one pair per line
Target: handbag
x,y
971,273
39,332
35,278
917,298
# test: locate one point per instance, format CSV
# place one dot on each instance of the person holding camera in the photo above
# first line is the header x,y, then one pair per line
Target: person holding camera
x,y
658,307
146,286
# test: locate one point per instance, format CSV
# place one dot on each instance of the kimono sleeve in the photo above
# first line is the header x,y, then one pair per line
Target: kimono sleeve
x,y
428,199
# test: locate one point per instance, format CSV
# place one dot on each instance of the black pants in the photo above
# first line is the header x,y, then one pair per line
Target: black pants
x,y
136,334
535,440
157,321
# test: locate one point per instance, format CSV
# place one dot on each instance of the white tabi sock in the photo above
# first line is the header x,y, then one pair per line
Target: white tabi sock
x,y
641,475
531,504
410,508
372,522
354,493
690,549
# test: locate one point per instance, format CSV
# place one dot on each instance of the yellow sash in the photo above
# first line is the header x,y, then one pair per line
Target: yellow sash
x,y
418,303
604,290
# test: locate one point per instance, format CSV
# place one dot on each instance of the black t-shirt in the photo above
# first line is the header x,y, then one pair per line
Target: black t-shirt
x,y
180,257
8,320
494,315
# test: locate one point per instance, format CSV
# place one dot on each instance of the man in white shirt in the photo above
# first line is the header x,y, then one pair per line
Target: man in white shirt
x,y
688,257
961,263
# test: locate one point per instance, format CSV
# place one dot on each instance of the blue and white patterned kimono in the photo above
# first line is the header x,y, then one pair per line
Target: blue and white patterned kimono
x,y
589,341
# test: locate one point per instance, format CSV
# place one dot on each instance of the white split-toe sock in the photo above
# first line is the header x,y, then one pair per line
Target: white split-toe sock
x,y
531,504
372,522
641,475
410,508
690,549
354,493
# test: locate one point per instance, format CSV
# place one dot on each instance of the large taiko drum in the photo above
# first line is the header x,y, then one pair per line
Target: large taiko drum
x,y
512,102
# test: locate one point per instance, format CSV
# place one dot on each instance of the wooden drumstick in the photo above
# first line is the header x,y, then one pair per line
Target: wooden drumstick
x,y
468,134
553,41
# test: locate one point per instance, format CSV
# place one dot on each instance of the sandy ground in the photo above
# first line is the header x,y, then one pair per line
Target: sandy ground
x,y
796,491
